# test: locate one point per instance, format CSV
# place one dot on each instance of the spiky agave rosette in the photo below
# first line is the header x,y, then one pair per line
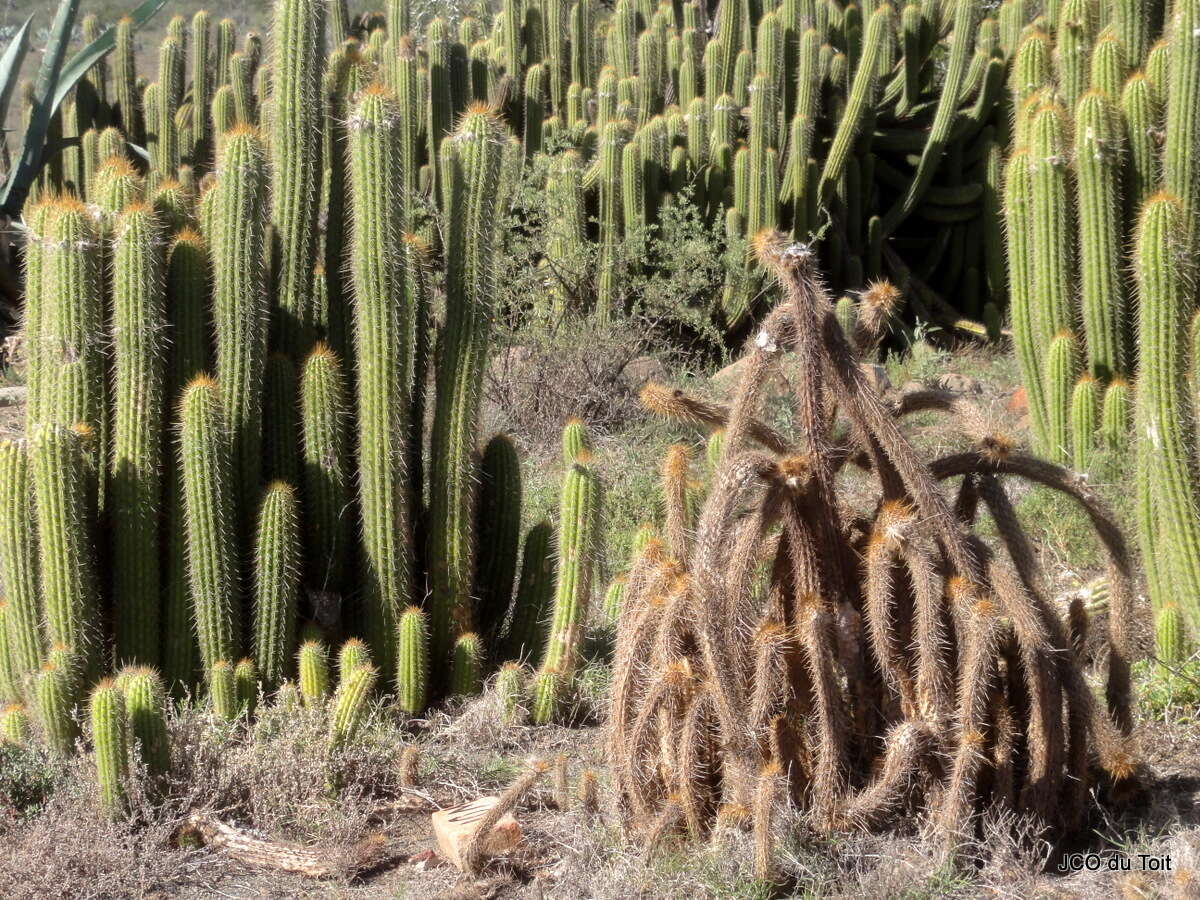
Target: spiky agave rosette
x,y
882,665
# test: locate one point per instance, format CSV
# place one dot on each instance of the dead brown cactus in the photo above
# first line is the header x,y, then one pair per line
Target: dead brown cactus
x,y
878,661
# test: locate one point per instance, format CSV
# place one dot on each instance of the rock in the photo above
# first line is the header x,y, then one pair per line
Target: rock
x,y
455,826
959,384
877,376
728,376
12,396
1019,402
642,369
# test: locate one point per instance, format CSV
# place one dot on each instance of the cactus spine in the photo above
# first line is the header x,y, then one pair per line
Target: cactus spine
x,y
297,120
139,352
474,201
384,325
276,582
206,454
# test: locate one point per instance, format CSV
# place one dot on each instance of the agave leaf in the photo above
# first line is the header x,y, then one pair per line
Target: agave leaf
x,y
10,66
88,56
17,187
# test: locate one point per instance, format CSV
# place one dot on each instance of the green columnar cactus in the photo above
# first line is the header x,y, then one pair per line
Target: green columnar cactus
x,y
72,330
313,665
245,685
353,653
535,109
581,38
241,84
1108,66
10,687
385,326
297,121
633,188
350,704
466,665
206,453
614,597
222,690
14,724
1170,638
1142,113
281,429
239,309
525,639
1061,372
412,679
223,114
64,480
498,524
1098,171
327,522
1115,416
475,199
862,98
568,228
109,727
223,50
1053,249
1073,42
1181,149
510,689
145,703
37,219
1085,410
170,93
1167,464
612,144
576,546
1023,297
277,564
57,690
19,562
125,82
1134,23
438,101
201,146
187,356
139,353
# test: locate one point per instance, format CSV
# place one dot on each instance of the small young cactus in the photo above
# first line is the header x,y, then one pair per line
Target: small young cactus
x,y
350,703
277,564
511,684
313,663
498,514
327,522
222,690
56,688
353,653
145,702
466,665
109,726
525,640
14,724
412,676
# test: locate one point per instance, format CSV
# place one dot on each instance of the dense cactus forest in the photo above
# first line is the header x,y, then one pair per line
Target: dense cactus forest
x,y
282,571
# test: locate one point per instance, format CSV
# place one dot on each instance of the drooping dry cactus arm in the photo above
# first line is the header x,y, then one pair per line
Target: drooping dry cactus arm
x,y
675,404
1122,612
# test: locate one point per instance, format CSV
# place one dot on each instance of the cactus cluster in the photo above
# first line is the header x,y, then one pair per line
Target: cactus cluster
x,y
230,462
866,663
1100,189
